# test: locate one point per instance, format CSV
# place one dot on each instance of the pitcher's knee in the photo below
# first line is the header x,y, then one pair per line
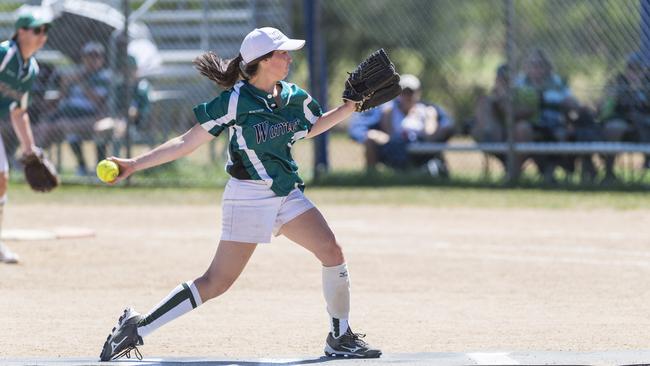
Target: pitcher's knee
x,y
215,284
331,254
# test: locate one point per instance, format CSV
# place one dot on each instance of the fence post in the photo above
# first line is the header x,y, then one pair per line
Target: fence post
x,y
126,76
510,123
317,77
645,41
205,24
645,30
123,62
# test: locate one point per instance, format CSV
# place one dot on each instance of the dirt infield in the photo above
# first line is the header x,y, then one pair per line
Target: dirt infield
x,y
424,280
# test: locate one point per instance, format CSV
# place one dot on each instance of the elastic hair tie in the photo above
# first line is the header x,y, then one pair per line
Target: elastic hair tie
x,y
242,68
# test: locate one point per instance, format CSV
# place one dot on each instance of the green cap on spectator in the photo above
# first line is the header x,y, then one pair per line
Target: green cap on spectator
x,y
30,21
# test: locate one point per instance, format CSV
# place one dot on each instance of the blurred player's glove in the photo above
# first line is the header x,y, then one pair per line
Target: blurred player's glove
x,y
40,173
373,82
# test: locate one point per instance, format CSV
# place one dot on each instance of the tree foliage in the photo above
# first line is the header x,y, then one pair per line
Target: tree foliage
x,y
454,46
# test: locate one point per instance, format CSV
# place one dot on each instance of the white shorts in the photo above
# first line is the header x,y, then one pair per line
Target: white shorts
x,y
252,212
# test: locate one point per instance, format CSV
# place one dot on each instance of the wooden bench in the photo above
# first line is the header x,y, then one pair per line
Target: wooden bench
x,y
531,148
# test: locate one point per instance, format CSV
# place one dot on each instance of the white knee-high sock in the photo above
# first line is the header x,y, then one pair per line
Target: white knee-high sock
x,y
181,300
336,289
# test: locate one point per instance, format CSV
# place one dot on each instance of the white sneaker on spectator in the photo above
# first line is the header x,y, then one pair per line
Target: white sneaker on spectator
x,y
437,168
7,256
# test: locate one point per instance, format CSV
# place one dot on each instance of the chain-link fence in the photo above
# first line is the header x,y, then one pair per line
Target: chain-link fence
x,y
565,59
81,109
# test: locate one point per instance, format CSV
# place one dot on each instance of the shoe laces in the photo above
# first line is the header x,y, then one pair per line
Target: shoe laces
x,y
356,337
119,321
127,353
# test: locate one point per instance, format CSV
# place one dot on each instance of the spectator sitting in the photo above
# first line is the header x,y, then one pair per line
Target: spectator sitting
x,y
556,100
387,130
85,94
140,106
625,111
490,112
137,112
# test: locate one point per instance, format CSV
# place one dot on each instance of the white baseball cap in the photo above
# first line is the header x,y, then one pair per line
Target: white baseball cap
x,y
408,81
261,41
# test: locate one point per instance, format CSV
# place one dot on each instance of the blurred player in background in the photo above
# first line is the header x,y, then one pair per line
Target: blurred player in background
x,y
264,116
18,70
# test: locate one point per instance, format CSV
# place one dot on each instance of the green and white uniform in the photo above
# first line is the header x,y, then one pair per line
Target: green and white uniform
x,y
261,132
16,79
265,191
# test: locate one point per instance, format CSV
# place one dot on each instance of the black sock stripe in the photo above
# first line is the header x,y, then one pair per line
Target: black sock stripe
x,y
337,327
191,295
169,305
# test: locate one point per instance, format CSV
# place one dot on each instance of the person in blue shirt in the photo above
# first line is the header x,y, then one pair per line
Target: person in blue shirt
x,y
387,130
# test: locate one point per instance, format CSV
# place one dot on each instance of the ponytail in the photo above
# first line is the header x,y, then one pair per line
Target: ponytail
x,y
223,72
227,72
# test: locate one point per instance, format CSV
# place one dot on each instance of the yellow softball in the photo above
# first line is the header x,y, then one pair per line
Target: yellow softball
x,y
107,171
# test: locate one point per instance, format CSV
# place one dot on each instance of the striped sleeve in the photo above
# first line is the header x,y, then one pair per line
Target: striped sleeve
x,y
6,53
312,110
310,107
219,113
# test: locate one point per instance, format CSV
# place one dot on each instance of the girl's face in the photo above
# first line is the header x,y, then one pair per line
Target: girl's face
x,y
537,71
33,38
278,64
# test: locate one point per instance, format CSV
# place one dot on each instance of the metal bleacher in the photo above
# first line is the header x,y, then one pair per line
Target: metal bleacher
x,y
183,29
532,148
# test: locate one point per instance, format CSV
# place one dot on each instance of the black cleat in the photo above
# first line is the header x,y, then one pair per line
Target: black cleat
x,y
123,338
349,345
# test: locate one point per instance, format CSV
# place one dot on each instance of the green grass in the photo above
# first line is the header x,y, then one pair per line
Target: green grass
x,y
481,198
429,196
205,168
199,180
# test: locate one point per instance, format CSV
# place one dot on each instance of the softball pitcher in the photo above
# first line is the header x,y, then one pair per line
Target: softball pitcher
x,y
264,116
18,70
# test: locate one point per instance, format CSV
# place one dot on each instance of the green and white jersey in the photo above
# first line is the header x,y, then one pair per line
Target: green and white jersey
x,y
261,133
16,77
